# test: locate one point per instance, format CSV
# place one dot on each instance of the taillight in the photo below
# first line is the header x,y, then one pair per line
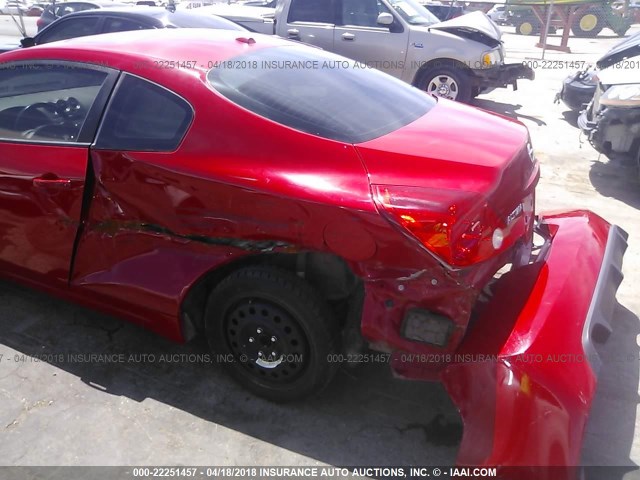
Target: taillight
x,y
39,22
456,226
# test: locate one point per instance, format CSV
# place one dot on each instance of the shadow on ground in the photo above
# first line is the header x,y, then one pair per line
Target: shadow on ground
x,y
617,179
365,417
571,117
610,430
506,109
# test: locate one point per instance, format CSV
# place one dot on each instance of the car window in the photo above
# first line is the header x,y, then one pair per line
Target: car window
x,y
317,11
46,102
320,93
363,13
69,28
144,117
414,13
113,24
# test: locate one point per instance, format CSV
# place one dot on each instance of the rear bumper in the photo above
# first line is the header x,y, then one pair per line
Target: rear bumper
x,y
525,375
504,75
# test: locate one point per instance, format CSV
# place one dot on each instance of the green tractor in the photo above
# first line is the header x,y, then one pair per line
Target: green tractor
x,y
590,17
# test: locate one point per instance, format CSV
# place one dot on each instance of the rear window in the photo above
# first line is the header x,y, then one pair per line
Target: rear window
x,y
319,93
143,116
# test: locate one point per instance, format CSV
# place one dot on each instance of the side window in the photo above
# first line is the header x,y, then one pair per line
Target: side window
x,y
113,24
143,116
69,28
362,13
317,11
46,102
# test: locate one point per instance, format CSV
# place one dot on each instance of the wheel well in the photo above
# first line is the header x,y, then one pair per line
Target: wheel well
x,y
328,273
439,62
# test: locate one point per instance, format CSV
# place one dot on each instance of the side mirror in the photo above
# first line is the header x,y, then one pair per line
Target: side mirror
x,y
385,19
27,42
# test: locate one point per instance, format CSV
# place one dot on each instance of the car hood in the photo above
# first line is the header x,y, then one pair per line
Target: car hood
x,y
476,26
239,13
618,76
628,48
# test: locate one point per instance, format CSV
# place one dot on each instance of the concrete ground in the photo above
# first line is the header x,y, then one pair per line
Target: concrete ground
x,y
154,411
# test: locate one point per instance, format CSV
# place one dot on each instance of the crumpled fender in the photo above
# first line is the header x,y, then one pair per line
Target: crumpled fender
x,y
525,376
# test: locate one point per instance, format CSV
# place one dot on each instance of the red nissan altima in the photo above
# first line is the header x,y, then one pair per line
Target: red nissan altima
x,y
295,207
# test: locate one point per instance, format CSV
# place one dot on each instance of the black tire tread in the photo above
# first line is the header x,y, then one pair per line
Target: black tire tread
x,y
326,327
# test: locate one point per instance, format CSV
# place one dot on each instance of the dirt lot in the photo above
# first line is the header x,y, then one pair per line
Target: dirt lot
x,y
164,412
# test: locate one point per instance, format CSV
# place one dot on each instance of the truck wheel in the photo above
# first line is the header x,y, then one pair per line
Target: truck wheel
x,y
527,26
447,82
589,24
278,329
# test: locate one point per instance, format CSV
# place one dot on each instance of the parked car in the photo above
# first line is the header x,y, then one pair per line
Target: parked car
x,y
108,20
253,18
35,9
499,14
611,121
193,4
354,213
60,9
579,87
457,59
258,3
14,7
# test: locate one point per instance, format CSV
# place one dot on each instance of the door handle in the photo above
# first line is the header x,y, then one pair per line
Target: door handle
x,y
348,36
50,180
293,33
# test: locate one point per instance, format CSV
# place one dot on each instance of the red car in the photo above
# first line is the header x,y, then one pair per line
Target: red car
x,y
286,204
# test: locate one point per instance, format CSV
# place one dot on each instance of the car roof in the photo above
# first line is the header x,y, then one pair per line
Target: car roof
x,y
123,50
161,17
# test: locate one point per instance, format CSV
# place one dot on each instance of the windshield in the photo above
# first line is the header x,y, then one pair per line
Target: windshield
x,y
414,13
319,93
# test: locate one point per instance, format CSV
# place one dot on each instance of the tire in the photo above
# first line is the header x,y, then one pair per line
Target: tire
x,y
528,26
589,24
257,311
453,83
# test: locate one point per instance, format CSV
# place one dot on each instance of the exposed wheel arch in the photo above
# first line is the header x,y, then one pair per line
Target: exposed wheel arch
x,y
328,273
278,328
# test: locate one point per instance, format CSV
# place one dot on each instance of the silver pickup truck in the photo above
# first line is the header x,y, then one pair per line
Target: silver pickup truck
x,y
457,59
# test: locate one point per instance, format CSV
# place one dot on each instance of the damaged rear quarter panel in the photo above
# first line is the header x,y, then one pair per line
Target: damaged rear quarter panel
x,y
157,222
240,185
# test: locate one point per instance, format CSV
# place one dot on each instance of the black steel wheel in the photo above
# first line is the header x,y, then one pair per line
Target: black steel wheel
x,y
279,330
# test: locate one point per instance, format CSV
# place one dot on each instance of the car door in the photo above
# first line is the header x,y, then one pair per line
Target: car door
x,y
312,21
49,113
358,35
